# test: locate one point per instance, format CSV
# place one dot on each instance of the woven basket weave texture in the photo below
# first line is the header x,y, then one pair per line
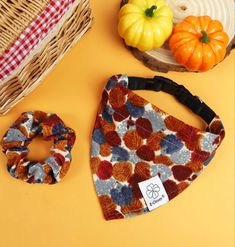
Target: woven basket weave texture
x,y
15,16
30,76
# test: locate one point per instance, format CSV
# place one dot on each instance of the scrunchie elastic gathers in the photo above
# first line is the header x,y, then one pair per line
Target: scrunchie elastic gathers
x,y
15,145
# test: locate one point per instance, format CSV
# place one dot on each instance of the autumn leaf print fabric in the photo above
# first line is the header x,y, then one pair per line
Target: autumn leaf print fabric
x,y
133,141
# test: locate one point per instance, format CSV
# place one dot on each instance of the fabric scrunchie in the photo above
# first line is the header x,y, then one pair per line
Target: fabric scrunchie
x,y
15,145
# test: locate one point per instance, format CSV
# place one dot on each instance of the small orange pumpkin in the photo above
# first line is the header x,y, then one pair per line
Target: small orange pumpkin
x,y
199,43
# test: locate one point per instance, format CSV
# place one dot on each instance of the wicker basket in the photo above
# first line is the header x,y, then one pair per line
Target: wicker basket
x,y
31,74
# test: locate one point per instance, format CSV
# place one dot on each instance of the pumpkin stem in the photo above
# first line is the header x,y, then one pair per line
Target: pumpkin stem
x,y
204,38
150,11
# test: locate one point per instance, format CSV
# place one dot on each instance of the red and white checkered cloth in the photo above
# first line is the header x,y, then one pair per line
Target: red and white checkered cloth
x,y
32,35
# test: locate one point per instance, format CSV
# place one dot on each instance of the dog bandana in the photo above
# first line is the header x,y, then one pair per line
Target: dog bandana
x,y
142,157
19,136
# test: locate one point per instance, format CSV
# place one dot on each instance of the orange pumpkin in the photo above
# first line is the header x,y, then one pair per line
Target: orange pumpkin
x,y
199,43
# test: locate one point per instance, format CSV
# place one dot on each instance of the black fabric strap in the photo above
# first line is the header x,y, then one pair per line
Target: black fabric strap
x,y
159,83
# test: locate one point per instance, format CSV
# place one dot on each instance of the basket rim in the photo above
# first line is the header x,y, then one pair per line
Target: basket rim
x,y
22,84
29,39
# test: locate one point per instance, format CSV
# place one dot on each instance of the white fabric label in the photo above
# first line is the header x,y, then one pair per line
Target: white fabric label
x,y
153,192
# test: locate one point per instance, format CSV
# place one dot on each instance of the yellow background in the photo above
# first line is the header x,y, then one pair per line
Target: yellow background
x,y
68,214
